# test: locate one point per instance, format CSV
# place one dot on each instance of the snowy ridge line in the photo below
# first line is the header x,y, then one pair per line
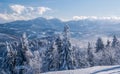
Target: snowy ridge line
x,y
104,70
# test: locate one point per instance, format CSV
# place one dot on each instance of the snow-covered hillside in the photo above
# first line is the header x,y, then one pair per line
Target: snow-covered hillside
x,y
80,29
91,70
60,53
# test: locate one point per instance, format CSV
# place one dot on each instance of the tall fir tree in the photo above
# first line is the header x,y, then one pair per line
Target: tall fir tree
x,y
59,45
9,62
65,54
24,54
115,41
90,56
99,45
48,61
108,43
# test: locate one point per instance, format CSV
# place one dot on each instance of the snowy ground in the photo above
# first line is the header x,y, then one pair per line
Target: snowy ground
x,y
92,70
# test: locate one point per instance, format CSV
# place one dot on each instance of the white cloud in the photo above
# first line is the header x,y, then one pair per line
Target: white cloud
x,y
41,10
3,16
11,17
17,8
96,17
20,12
22,9
84,17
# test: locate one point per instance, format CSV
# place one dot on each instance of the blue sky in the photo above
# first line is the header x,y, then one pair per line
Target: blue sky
x,y
65,9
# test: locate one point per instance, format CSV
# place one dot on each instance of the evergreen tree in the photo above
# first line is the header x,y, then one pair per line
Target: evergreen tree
x,y
99,45
9,62
90,56
36,62
115,41
108,43
24,54
81,58
48,61
59,45
65,54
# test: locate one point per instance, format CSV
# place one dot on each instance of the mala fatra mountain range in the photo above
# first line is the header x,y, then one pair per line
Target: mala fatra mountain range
x,y
59,37
58,49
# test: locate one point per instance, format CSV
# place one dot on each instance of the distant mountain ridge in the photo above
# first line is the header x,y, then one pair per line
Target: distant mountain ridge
x,y
44,27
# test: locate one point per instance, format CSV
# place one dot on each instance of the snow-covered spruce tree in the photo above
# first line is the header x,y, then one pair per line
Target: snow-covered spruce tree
x,y
24,55
9,62
109,56
59,45
99,45
48,61
116,48
108,43
80,60
54,65
65,53
74,59
115,41
106,56
90,56
36,62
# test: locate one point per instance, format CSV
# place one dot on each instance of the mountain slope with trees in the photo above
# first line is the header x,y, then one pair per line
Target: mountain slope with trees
x,y
56,53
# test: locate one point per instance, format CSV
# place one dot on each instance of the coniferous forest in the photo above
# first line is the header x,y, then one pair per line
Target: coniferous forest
x,y
56,53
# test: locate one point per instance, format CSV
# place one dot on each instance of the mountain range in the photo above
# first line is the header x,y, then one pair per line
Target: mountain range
x,y
41,27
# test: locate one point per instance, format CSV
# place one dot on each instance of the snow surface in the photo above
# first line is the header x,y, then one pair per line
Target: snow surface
x,y
92,70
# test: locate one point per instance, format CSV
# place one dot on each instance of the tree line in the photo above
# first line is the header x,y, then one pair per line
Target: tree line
x,y
56,53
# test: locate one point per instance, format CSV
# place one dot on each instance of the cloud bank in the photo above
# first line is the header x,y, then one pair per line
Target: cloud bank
x,y
21,12
96,17
18,8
